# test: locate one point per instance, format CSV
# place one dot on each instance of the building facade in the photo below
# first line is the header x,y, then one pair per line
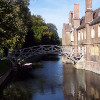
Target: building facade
x,y
84,34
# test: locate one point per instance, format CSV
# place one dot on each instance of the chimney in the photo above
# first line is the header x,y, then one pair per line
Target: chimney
x,y
89,11
76,11
76,25
76,15
70,18
88,4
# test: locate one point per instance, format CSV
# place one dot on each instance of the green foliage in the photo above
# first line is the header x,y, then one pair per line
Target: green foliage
x,y
19,29
44,33
15,20
17,91
39,28
60,39
54,35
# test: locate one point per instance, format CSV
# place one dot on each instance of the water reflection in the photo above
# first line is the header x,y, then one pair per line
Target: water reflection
x,y
54,81
80,84
17,91
41,84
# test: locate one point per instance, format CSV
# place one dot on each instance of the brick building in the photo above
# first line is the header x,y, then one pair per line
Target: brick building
x,y
84,34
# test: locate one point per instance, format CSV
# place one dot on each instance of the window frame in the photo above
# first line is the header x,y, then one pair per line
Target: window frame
x,y
92,32
78,36
99,30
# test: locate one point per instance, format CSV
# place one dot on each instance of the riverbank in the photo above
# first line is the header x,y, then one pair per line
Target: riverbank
x,y
5,72
4,66
4,78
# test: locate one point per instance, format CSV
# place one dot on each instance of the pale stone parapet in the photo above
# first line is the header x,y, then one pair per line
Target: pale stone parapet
x,y
93,66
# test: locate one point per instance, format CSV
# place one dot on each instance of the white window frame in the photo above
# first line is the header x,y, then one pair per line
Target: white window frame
x,y
72,36
92,50
99,30
84,34
78,36
85,49
92,32
96,50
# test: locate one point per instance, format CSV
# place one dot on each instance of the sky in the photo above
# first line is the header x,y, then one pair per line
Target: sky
x,y
57,11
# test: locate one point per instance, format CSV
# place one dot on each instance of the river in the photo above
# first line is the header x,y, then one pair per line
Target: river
x,y
53,81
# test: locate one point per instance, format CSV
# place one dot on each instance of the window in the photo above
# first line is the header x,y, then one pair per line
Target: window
x,y
96,50
79,48
79,36
84,34
72,36
98,30
82,50
92,50
92,32
85,49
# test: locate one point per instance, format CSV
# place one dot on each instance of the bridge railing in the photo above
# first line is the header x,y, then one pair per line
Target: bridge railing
x,y
19,55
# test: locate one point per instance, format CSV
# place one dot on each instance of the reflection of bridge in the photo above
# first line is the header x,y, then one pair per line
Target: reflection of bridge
x,y
21,54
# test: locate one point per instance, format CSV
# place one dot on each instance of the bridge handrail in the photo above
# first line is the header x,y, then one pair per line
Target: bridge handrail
x,y
44,49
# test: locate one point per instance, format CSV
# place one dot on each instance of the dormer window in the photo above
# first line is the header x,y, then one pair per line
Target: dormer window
x,y
92,32
99,30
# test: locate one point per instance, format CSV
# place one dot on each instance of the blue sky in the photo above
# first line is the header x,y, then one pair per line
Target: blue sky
x,y
57,11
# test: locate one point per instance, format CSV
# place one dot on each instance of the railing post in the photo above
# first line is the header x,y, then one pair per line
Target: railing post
x,y
52,48
42,51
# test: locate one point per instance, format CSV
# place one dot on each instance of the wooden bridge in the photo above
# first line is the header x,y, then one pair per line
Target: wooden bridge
x,y
20,55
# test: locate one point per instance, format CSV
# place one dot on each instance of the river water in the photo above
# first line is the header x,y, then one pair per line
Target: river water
x,y
53,81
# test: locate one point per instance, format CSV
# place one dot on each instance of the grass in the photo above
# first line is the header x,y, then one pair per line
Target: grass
x,y
4,66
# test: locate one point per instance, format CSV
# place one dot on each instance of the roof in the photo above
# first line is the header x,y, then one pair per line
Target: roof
x,y
95,13
96,19
82,23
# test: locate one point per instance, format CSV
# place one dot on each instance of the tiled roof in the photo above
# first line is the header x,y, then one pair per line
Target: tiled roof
x,y
96,19
82,23
95,13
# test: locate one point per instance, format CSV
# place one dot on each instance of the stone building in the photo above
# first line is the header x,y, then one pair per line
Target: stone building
x,y
84,34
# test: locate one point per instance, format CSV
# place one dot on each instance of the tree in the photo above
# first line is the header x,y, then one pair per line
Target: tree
x,y
39,28
54,35
19,29
15,21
